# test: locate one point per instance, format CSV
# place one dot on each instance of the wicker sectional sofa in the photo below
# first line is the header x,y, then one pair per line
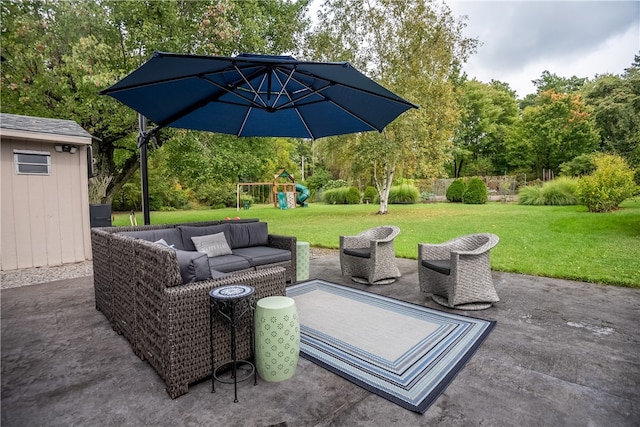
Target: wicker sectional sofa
x,y
156,296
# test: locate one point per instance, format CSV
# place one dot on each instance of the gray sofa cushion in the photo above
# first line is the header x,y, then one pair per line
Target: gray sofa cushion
x,y
194,266
261,255
245,235
215,274
228,263
170,235
188,232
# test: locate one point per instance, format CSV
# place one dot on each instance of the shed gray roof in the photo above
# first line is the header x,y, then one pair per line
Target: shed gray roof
x,y
42,125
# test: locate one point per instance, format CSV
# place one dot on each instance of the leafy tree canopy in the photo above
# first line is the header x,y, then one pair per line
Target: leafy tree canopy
x,y
414,48
57,55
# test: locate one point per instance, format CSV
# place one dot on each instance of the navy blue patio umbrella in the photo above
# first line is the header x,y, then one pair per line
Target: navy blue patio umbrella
x,y
255,95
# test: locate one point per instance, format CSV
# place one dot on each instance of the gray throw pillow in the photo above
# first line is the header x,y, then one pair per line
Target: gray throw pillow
x,y
163,242
194,266
212,244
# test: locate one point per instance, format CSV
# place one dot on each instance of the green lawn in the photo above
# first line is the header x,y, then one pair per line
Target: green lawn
x,y
555,241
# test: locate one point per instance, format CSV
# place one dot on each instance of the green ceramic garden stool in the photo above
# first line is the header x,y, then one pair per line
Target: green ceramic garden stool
x,y
277,338
302,261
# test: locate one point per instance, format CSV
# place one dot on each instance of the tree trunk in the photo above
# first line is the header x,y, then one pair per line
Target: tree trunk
x,y
384,186
105,166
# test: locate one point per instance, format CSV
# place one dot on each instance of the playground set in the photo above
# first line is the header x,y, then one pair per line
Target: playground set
x,y
283,192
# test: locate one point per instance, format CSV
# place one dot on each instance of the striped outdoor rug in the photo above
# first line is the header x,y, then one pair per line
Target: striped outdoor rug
x,y
403,352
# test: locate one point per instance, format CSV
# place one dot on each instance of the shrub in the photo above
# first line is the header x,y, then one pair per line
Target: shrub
x,y
531,195
246,198
426,196
405,193
353,196
216,195
583,164
318,180
608,186
370,194
455,191
338,183
341,196
560,192
476,192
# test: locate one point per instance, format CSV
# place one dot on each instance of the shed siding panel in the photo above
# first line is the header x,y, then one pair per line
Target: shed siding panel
x,y
7,219
52,211
70,219
44,219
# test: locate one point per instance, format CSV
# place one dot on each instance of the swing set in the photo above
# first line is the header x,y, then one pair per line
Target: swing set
x,y
281,191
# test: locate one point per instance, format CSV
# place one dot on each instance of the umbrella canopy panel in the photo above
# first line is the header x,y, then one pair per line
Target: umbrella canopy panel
x,y
257,95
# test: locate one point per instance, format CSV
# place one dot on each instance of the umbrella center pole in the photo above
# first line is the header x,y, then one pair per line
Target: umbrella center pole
x,y
143,141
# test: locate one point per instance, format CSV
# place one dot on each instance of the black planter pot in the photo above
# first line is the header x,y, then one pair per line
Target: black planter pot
x,y
100,215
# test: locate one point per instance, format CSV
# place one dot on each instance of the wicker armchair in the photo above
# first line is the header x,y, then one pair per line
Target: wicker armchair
x,y
457,272
369,257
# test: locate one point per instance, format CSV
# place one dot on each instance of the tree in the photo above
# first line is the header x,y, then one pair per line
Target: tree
x,y
57,55
551,81
413,48
488,110
616,102
557,129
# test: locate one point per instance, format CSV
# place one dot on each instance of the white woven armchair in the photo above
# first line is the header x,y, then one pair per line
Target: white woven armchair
x,y
369,257
457,273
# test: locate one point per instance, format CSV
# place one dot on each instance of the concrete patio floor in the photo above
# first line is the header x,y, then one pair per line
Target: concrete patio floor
x,y
562,354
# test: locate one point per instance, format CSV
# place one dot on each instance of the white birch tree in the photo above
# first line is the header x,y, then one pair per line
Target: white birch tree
x,y
414,48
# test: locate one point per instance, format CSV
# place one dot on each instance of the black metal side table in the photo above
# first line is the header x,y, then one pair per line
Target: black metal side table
x,y
232,303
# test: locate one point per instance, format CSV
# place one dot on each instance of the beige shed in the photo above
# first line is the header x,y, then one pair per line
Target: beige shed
x,y
44,206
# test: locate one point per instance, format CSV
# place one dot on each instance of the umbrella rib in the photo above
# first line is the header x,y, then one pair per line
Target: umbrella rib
x,y
244,122
358,89
292,102
231,92
248,113
357,117
304,122
196,105
255,92
283,85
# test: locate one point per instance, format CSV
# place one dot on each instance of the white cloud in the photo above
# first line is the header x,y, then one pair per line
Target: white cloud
x,y
521,39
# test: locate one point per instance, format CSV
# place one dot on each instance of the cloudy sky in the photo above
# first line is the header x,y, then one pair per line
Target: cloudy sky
x,y
522,38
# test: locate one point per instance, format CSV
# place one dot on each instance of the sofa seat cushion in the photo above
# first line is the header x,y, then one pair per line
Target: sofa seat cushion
x,y
261,255
228,263
172,236
248,234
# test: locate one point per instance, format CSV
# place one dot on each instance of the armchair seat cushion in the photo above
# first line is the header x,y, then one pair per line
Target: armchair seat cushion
x,y
440,265
261,255
358,252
